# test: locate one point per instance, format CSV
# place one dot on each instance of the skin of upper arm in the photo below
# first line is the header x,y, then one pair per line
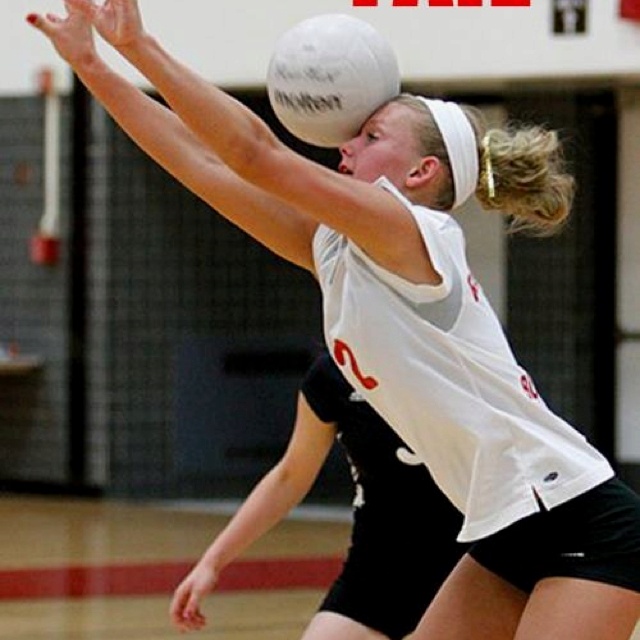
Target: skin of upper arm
x,y
367,214
270,221
167,139
308,447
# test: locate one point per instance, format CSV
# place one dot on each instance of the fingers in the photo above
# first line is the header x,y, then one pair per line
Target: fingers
x,y
185,612
84,7
50,20
70,35
123,9
38,21
177,606
44,23
192,611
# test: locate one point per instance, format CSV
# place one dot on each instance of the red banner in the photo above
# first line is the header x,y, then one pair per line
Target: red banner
x,y
445,3
630,9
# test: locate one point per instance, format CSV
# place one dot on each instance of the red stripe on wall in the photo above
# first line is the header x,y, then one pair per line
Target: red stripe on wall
x,y
150,579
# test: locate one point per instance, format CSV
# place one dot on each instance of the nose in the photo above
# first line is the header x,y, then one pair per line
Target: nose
x,y
346,148
346,152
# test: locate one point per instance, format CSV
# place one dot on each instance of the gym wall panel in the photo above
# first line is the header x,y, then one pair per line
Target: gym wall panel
x,y
230,42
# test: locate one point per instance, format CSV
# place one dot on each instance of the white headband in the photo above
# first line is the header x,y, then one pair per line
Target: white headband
x,y
460,142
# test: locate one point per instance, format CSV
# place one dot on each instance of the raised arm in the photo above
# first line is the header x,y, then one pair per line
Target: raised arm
x,y
361,211
274,496
165,138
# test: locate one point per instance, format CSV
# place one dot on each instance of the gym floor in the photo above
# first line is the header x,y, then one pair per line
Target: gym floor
x,y
73,569
78,569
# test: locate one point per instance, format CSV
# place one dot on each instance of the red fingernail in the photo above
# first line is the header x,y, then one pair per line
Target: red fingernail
x,y
32,18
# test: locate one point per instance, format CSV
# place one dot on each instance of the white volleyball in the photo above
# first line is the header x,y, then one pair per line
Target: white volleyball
x,y
327,75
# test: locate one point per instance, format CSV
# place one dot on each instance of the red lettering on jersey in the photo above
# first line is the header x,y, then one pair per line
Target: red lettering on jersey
x,y
474,286
528,387
342,349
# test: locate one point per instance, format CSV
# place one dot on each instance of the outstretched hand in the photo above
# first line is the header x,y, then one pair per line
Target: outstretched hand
x,y
117,21
71,36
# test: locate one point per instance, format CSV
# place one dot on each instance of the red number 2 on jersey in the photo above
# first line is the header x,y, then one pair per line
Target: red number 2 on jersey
x,y
342,351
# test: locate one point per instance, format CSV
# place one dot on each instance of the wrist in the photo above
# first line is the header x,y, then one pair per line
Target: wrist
x,y
88,62
138,47
214,560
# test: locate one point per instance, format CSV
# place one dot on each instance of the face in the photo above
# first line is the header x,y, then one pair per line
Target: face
x,y
386,145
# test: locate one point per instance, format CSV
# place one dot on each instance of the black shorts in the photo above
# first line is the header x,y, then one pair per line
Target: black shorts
x,y
388,589
595,536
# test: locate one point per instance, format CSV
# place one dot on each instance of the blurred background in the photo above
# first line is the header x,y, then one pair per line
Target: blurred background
x,y
149,350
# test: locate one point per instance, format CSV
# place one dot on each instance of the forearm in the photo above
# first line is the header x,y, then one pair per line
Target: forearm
x,y
270,501
166,138
226,126
153,127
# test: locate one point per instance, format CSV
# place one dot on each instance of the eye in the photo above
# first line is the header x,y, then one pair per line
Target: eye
x,y
371,136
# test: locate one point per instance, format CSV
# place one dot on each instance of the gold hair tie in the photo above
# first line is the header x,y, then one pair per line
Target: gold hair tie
x,y
488,167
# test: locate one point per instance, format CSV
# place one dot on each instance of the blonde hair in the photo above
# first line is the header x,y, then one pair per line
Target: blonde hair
x,y
522,170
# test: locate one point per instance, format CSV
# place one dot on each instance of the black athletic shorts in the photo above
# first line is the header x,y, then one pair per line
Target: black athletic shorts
x,y
386,589
595,536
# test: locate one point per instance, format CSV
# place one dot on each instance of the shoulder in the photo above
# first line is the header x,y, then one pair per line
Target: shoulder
x,y
324,371
437,220
325,388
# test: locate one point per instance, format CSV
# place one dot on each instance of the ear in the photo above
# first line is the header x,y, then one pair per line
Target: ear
x,y
423,172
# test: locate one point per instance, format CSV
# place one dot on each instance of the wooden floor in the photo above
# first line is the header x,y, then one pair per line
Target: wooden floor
x,y
99,570
89,570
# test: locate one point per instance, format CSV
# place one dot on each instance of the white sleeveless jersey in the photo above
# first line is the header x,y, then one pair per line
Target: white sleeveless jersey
x,y
435,363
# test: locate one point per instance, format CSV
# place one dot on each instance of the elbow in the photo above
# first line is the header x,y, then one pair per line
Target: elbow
x,y
284,475
292,481
254,157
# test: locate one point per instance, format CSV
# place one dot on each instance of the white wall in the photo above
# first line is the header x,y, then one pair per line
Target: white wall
x,y
628,375
231,41
486,239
